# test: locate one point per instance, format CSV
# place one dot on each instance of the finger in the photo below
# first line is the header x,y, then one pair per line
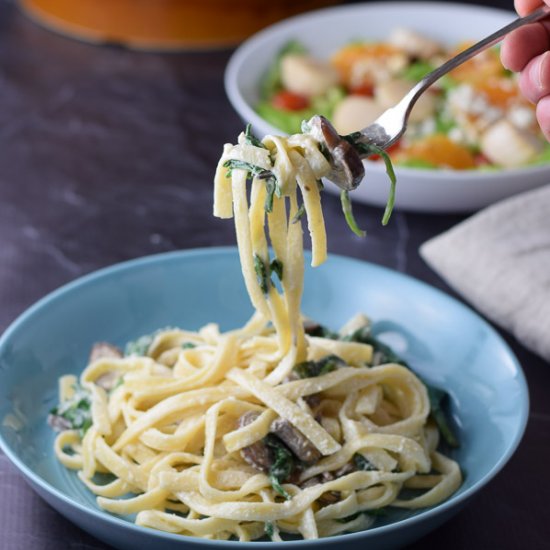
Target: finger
x,y
534,81
543,116
523,7
523,44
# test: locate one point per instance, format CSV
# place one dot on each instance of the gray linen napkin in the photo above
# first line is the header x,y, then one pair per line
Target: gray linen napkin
x,y
499,260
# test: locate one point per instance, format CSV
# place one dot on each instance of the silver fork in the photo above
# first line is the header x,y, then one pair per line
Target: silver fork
x,y
347,151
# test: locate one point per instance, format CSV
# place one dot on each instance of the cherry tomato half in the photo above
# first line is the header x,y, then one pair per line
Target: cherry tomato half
x,y
289,101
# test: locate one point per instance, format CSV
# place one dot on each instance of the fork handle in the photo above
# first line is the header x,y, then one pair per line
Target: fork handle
x,y
454,62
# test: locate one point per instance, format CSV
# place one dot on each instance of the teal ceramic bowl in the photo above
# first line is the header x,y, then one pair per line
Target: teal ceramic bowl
x,y
443,340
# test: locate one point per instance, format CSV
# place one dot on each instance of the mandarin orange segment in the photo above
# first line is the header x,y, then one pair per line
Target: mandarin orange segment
x,y
440,151
344,60
484,66
500,92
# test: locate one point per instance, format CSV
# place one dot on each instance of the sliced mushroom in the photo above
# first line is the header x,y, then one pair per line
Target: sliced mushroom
x,y
311,482
313,401
298,443
104,350
312,328
307,76
347,169
108,381
58,423
247,418
258,454
330,497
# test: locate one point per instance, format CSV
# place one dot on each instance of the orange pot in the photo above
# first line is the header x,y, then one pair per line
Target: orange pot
x,y
163,24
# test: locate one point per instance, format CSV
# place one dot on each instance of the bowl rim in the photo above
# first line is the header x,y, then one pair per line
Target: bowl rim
x,y
109,271
257,40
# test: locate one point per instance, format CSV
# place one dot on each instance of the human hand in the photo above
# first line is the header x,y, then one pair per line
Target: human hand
x,y
527,49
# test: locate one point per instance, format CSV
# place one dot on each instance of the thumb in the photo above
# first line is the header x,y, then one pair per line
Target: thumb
x,y
535,78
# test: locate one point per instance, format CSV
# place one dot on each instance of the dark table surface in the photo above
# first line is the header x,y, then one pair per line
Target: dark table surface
x,y
107,155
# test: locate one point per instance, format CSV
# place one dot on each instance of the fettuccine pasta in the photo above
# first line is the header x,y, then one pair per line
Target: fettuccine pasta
x,y
271,429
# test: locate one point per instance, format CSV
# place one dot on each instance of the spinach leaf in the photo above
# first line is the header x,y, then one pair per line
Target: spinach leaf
x,y
348,214
276,266
368,149
393,180
362,463
251,139
272,187
261,273
265,270
310,369
437,397
301,211
319,331
347,519
139,346
283,464
76,411
253,169
382,353
143,343
269,529
188,345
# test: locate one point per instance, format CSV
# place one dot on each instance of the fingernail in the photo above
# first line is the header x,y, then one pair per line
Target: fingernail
x,y
539,72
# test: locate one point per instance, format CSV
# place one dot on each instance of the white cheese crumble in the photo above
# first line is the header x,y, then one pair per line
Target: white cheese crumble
x,y
457,135
521,116
472,112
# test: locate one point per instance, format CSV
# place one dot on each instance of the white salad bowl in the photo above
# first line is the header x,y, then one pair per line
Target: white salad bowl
x,y
323,32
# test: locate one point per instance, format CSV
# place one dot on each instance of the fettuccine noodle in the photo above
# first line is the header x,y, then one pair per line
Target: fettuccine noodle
x,y
223,435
